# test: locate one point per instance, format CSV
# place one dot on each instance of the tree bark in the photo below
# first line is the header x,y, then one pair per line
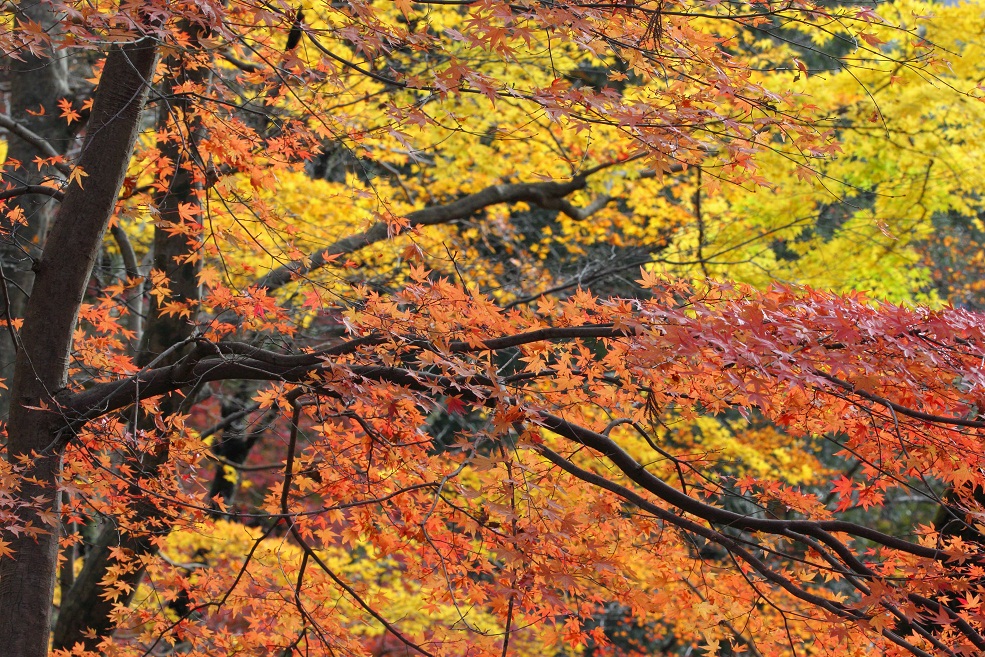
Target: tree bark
x,y
27,578
86,616
35,81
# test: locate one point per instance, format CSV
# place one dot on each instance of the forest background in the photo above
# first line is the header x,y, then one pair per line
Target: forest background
x,y
484,328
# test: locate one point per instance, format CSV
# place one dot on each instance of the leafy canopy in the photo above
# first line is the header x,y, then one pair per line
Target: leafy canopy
x,y
346,379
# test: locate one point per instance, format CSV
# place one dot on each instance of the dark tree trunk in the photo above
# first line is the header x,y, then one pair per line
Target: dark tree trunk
x,y
85,616
35,81
27,578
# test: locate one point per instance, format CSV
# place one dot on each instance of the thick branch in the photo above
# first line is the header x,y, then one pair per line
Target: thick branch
x,y
727,542
576,213
231,360
246,362
548,195
642,477
44,190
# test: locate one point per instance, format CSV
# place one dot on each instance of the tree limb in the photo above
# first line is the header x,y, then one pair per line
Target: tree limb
x,y
548,195
246,362
44,190
126,251
36,140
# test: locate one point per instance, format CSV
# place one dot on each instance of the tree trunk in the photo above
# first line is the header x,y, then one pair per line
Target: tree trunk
x,y
27,578
35,81
86,616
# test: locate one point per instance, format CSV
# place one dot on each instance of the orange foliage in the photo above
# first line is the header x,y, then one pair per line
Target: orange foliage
x,y
236,444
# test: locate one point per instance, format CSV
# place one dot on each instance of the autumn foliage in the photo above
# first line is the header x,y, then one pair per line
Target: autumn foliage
x,y
464,328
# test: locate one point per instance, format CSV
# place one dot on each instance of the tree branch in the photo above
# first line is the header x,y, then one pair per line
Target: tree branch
x,y
730,544
44,190
239,63
899,408
548,195
576,213
246,362
35,140
642,477
126,251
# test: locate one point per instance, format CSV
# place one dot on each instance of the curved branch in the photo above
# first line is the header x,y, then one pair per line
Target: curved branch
x,y
245,66
257,364
641,476
231,360
730,544
548,195
36,140
44,190
126,251
898,408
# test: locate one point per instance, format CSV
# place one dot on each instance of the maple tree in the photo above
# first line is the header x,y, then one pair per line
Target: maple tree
x,y
369,413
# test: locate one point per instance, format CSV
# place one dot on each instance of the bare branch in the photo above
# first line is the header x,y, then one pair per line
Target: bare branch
x,y
576,213
239,63
36,140
44,190
548,195
126,250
